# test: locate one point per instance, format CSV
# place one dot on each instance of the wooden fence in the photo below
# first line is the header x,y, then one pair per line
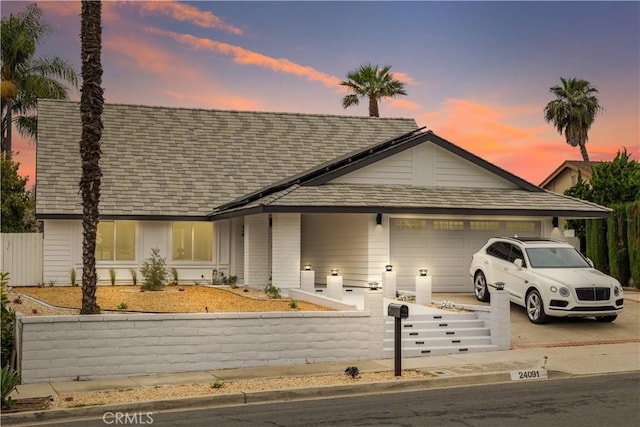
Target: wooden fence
x,y
21,257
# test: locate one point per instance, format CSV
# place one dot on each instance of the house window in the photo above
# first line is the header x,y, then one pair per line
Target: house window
x,y
448,225
410,224
192,241
484,225
116,241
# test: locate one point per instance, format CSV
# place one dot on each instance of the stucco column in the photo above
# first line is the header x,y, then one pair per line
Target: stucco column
x,y
374,304
285,244
256,250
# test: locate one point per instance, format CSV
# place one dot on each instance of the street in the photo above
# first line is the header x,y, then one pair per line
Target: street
x,y
611,400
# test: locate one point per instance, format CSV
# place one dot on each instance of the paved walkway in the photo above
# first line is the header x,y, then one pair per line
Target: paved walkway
x,y
562,348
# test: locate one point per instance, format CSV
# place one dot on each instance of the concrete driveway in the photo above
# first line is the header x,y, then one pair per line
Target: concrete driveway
x,y
565,331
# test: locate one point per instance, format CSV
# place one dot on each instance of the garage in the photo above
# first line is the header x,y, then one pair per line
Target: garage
x,y
445,247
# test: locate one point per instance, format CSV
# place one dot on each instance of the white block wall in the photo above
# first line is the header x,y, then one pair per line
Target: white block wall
x,y
256,250
500,320
62,348
285,243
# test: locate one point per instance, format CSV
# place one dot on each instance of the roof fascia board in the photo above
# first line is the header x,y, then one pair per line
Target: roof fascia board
x,y
126,217
405,210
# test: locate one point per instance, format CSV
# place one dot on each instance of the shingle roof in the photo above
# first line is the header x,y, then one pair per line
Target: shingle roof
x,y
430,200
160,161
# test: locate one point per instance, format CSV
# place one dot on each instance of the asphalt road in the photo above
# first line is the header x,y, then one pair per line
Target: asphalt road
x,y
611,400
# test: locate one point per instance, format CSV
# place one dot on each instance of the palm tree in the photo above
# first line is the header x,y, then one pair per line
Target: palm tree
x,y
91,107
573,112
26,78
374,83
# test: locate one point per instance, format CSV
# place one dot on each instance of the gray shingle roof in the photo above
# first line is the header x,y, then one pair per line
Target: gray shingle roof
x,y
434,200
161,161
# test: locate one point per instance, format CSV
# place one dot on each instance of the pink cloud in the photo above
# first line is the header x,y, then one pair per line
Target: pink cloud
x,y
184,12
402,104
248,57
403,77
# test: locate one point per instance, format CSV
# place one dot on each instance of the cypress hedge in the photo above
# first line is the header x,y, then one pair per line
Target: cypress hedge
x,y
633,240
597,244
617,244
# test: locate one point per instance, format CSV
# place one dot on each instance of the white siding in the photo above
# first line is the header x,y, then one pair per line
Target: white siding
x,y
286,250
57,251
425,165
256,250
237,249
337,241
378,247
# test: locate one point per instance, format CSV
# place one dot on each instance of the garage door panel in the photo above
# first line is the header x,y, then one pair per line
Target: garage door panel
x,y
446,253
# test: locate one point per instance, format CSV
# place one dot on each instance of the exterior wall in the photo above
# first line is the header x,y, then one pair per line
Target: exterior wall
x,y
63,348
425,165
257,267
286,235
21,257
237,249
62,251
337,241
378,247
58,249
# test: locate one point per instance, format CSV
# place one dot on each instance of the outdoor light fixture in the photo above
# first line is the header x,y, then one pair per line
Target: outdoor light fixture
x,y
388,267
379,219
554,222
334,271
373,285
500,286
307,267
423,272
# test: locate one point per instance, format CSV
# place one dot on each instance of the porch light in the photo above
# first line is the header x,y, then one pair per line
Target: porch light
x,y
307,267
334,271
554,222
423,272
500,286
373,285
388,267
379,219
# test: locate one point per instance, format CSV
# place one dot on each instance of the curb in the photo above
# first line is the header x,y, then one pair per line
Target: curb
x,y
265,396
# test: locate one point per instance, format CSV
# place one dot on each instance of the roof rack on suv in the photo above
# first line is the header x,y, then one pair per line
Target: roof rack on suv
x,y
532,239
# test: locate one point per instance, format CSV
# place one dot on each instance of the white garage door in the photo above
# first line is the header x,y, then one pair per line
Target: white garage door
x,y
445,247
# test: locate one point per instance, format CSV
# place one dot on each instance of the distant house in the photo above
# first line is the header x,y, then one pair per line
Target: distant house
x,y
258,195
566,176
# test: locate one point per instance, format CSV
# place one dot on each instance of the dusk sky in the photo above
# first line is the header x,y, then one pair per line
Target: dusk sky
x,y
478,73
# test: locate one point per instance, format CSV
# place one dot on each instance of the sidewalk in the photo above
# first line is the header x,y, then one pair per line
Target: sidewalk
x,y
558,360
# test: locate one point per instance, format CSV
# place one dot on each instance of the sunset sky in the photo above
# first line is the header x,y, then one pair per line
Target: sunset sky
x,y
477,73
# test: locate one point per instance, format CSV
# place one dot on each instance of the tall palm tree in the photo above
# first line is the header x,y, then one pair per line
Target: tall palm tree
x,y
374,83
573,112
26,78
91,107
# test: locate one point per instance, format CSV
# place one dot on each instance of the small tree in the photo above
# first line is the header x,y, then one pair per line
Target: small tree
x,y
154,271
17,203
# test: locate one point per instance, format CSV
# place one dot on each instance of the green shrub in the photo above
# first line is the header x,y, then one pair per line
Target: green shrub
x,y
134,276
217,384
8,322
617,244
633,240
596,246
154,271
272,291
112,276
9,379
72,277
123,306
293,304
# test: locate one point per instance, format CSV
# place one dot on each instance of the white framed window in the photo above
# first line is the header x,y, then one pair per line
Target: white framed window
x,y
484,225
521,226
116,241
192,241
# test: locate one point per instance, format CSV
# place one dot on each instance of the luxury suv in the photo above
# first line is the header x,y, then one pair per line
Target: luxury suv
x,y
547,277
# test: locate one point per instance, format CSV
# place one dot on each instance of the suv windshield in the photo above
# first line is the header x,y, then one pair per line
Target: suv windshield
x,y
556,258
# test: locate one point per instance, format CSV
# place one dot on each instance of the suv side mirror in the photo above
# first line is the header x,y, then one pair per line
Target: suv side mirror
x,y
518,262
590,263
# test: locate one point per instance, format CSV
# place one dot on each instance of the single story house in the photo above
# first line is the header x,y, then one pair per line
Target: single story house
x,y
259,195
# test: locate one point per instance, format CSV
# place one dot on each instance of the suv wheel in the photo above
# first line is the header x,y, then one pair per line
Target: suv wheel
x,y
535,308
480,287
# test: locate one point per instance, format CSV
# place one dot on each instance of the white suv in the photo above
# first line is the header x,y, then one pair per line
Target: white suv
x,y
547,277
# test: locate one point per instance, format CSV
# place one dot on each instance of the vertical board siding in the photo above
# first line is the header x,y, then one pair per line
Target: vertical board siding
x,y
337,241
22,258
392,170
454,171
